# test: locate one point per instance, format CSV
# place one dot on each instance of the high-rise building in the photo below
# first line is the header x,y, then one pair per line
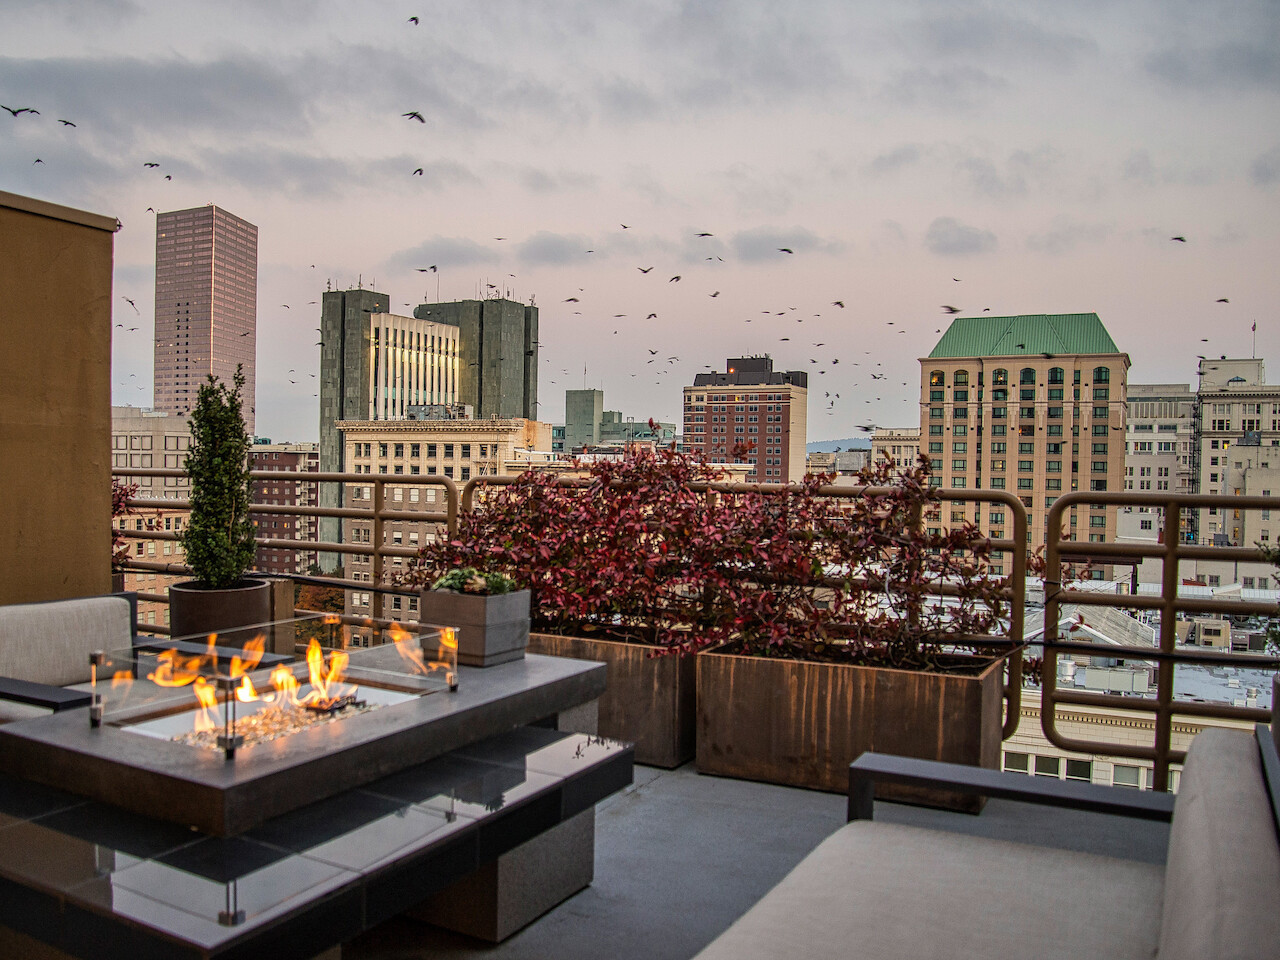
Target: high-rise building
x,y
206,307
899,445
1030,404
752,406
498,373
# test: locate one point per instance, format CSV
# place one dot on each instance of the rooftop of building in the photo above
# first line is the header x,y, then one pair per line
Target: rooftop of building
x,y
1025,335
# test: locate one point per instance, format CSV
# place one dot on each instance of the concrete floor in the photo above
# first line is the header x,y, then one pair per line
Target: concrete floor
x,y
680,856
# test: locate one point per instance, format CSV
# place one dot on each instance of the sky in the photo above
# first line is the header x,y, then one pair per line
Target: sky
x,y
1026,157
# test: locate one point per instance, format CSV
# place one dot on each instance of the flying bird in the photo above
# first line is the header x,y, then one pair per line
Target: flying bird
x,y
651,316
716,294
704,234
1179,239
417,172
675,279
130,303
66,123
36,160
414,115
571,300
19,110
838,303
1019,346
624,226
644,269
413,20
430,269
151,209
785,250
947,308
168,176
1222,300
652,353
151,164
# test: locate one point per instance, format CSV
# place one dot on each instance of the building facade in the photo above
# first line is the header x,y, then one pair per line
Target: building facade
x,y
1034,405
206,306
1159,456
752,406
152,439
291,492
588,424
416,451
498,375
899,445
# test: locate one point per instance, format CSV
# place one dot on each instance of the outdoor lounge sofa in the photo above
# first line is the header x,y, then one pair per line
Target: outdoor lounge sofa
x,y
45,647
878,890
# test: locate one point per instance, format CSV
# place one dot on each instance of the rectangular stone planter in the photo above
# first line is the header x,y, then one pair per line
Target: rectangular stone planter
x,y
491,630
801,724
648,700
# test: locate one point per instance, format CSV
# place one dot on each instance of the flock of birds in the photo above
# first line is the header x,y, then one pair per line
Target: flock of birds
x,y
823,362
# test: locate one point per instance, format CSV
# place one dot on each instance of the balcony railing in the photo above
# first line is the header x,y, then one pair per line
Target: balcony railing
x,y
1058,552
1169,604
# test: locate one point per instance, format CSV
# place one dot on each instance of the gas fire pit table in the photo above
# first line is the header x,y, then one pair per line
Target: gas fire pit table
x,y
126,831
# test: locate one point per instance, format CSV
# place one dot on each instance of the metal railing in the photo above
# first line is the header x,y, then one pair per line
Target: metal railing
x,y
378,514
1169,604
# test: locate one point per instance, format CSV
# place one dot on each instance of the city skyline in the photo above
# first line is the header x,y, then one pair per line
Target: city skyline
x,y
910,158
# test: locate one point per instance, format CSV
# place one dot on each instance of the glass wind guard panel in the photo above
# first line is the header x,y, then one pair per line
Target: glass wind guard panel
x,y
206,693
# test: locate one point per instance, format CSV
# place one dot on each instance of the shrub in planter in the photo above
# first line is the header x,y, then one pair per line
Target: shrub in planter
x,y
219,536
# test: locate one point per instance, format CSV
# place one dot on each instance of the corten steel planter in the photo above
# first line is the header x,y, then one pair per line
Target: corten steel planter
x,y
802,723
194,609
648,700
491,629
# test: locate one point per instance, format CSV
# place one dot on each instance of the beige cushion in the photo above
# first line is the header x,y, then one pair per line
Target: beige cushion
x,y
1223,870
51,642
878,890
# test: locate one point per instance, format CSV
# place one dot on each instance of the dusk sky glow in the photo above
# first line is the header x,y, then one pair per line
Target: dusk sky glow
x,y
1027,158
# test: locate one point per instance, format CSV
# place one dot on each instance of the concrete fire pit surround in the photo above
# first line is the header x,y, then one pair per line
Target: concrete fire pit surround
x,y
199,788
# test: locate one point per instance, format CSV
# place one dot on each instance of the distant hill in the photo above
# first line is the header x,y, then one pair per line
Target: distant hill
x,y
829,446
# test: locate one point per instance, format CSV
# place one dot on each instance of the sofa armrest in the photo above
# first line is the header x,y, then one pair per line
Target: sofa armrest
x,y
872,768
42,694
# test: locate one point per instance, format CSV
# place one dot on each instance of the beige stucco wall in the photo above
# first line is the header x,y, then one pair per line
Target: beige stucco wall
x,y
55,401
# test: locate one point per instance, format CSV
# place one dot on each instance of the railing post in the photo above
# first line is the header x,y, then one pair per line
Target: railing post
x,y
1168,638
375,597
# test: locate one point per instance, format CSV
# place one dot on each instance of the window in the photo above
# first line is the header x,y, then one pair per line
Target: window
x,y
937,378
1016,761
1026,466
997,466
1048,766
1099,448
1080,770
959,465
999,377
997,483
1101,374
935,413
1098,521
935,446
959,430
1027,393
1026,375
960,396
1123,775
935,430
935,396
1056,376
1101,393
960,447
962,378
1024,483
1097,485
998,429
998,448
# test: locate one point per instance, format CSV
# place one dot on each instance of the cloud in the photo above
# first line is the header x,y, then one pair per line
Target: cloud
x,y
1065,234
443,252
947,236
1014,179
545,247
1230,65
991,35
763,243
1137,168
1265,169
537,180
946,89
896,159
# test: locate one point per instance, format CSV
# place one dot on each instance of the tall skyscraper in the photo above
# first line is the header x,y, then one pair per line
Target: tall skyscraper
x,y
374,365
1030,404
498,370
750,403
206,306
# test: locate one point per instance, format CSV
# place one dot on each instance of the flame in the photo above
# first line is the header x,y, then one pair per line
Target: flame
x,y
411,655
173,670
325,684
121,678
285,684
330,619
207,716
246,692
252,651
449,638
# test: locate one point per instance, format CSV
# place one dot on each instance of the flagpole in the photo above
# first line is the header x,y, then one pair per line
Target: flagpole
x,y
1255,339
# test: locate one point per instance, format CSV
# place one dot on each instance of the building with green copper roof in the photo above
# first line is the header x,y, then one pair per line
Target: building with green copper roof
x,y
1053,333
1032,406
